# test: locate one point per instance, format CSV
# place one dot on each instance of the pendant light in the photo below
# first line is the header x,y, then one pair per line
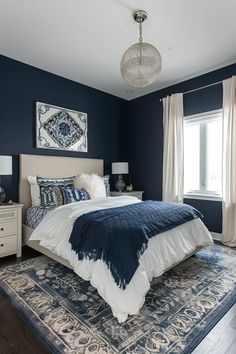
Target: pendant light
x,y
141,63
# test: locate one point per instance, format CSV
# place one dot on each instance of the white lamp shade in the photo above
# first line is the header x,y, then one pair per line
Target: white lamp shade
x,y
5,165
119,168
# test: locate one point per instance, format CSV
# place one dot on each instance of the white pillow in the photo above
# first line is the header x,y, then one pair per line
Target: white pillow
x,y
93,184
34,191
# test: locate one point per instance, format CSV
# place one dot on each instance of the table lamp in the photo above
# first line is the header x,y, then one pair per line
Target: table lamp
x,y
5,170
119,168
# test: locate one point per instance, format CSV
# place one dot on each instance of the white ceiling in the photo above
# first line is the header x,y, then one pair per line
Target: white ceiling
x,y
83,40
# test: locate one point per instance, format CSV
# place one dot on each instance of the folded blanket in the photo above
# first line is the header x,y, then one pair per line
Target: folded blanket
x,y
118,236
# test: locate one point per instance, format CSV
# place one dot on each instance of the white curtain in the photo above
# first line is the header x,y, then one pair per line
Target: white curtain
x,y
229,162
173,156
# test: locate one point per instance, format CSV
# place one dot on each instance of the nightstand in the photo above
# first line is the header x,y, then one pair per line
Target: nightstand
x,y
10,229
137,194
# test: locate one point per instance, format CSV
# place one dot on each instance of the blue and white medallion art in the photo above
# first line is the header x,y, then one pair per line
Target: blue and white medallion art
x,y
60,128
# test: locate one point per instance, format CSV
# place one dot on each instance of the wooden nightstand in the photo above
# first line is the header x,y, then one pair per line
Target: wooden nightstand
x,y
10,229
137,194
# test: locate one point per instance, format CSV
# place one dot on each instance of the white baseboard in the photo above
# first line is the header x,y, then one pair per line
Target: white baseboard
x,y
216,236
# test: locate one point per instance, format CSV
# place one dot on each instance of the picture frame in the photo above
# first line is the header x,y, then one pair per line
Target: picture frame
x,y
60,128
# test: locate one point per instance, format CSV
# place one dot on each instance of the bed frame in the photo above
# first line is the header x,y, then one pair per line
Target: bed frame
x,y
50,166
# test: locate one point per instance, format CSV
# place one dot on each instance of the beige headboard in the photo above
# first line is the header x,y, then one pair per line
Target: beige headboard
x,y
52,166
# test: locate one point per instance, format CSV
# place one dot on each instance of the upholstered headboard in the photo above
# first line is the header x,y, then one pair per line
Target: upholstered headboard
x,y
52,166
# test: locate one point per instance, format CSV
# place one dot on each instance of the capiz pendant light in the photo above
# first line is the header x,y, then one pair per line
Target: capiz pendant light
x,y
141,63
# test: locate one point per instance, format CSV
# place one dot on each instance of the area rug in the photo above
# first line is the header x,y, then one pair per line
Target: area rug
x,y
69,316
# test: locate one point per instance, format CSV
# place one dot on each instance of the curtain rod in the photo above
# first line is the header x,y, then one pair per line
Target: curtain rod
x,y
197,89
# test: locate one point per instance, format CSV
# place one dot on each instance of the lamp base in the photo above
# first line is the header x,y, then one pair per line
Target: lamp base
x,y
2,195
120,184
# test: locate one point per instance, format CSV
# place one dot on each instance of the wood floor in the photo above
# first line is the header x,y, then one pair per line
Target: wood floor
x,y
16,336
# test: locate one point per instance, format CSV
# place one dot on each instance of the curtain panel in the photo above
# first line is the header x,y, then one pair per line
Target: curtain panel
x,y
229,162
173,156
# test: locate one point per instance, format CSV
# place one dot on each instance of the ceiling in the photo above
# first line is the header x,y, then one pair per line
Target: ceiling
x,y
83,40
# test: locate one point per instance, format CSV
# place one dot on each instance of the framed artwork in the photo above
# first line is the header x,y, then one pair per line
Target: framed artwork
x,y
60,128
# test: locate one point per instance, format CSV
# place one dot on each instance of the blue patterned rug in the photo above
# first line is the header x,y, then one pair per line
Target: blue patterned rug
x,y
71,318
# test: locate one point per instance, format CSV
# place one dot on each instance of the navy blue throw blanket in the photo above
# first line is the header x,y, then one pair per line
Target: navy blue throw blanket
x,y
118,236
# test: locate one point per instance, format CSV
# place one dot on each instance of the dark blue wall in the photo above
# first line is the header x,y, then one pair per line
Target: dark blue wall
x,y
146,136
22,85
109,136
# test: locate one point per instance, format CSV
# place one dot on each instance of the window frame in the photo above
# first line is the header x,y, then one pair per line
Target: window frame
x,y
191,119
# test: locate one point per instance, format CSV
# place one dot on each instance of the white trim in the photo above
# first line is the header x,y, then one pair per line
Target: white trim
x,y
207,115
203,119
212,197
216,236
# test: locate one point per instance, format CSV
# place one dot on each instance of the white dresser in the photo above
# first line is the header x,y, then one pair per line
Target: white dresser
x,y
10,229
137,194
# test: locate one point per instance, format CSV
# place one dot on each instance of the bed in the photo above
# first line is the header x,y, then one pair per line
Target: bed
x,y
163,252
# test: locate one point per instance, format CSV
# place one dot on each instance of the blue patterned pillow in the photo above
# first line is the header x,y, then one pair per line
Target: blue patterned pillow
x,y
47,195
107,184
35,215
72,195
58,196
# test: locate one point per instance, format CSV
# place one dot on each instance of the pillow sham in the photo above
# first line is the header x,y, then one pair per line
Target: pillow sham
x,y
34,216
93,184
58,196
34,191
72,195
47,195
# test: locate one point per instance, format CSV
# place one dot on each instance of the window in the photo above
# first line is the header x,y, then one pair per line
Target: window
x,y
203,154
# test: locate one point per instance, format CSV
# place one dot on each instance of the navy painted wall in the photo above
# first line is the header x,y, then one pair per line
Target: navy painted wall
x,y
21,85
146,136
108,137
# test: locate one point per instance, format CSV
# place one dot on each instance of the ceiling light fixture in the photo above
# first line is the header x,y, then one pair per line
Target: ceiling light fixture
x,y
141,63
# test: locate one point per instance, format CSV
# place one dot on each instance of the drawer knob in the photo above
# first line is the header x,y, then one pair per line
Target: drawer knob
x,y
2,228
2,244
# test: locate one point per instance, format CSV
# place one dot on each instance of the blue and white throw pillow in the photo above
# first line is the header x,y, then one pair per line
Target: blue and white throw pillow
x,y
58,196
72,195
47,195
106,179
35,215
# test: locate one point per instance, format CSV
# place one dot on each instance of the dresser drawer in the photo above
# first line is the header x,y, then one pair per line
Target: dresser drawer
x,y
8,245
8,214
8,228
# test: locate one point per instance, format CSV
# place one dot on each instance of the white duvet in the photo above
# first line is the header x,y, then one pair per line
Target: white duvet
x,y
163,251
